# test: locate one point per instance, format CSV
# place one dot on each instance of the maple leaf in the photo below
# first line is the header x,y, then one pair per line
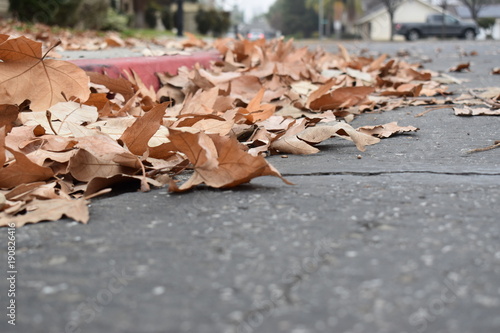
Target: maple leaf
x,y
26,74
218,161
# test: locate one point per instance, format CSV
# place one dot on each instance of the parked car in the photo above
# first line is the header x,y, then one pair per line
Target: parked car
x,y
256,34
437,25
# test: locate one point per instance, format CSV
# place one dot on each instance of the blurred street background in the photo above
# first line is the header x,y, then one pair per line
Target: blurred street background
x,y
332,19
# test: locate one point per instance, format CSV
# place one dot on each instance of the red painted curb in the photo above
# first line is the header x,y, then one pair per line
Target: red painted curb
x,y
146,67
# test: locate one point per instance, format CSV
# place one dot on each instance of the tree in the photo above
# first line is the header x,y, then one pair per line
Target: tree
x,y
53,12
140,12
391,6
292,17
203,23
474,6
90,14
328,6
213,20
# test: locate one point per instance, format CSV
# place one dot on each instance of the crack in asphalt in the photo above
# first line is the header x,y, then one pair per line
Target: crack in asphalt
x,y
380,173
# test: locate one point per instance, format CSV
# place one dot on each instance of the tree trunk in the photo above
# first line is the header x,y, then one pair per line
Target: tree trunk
x,y
139,13
180,18
391,25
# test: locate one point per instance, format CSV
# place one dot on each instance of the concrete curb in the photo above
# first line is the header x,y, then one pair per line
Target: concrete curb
x,y
146,67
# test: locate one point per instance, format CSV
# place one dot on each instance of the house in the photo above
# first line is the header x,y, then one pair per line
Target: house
x,y
4,8
376,24
487,11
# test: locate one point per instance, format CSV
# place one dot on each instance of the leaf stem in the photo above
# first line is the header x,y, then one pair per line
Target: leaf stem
x,y
51,48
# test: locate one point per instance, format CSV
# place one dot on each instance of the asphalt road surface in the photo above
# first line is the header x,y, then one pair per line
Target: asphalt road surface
x,y
405,239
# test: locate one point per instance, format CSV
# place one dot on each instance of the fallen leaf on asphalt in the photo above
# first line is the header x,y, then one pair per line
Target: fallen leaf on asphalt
x,y
302,143
386,130
25,74
460,67
468,111
217,123
48,210
218,161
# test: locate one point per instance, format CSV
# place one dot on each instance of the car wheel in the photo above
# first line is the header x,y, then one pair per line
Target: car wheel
x,y
469,34
413,35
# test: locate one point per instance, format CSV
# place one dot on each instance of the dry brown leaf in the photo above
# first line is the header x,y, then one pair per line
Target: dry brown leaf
x,y
85,166
105,148
296,82
404,90
22,171
8,115
25,74
228,166
115,85
293,145
137,136
386,130
341,98
460,67
132,183
322,90
468,111
301,143
201,103
255,111
48,210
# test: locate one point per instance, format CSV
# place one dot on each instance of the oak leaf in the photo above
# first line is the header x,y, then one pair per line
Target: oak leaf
x,y
26,74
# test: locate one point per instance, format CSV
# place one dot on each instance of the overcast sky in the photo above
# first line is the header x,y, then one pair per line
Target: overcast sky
x,y
250,7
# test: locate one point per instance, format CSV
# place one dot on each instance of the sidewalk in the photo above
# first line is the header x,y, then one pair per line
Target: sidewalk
x,y
116,61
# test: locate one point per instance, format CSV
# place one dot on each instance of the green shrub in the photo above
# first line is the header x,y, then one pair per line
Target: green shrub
x,y
486,22
115,21
166,15
84,14
52,12
203,21
215,21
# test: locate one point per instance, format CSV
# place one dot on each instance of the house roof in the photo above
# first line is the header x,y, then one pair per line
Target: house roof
x,y
379,10
485,11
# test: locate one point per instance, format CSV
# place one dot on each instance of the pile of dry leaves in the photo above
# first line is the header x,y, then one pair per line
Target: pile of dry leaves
x,y
67,135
